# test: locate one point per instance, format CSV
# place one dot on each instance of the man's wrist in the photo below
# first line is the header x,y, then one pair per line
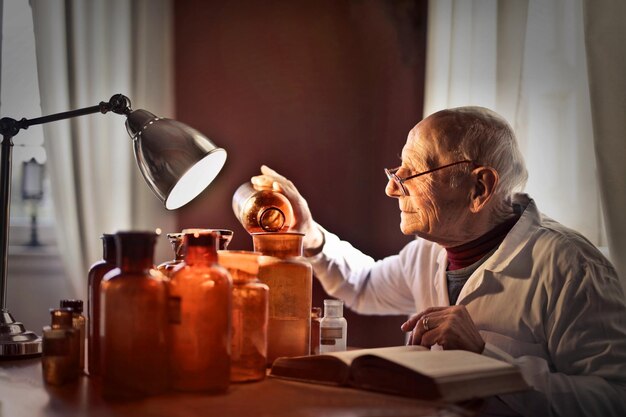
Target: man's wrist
x,y
310,251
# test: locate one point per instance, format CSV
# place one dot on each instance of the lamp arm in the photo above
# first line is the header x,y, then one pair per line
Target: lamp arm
x,y
119,104
9,127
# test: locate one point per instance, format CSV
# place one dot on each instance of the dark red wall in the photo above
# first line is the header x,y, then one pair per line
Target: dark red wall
x,y
324,92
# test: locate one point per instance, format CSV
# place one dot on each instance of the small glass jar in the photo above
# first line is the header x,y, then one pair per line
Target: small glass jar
x,y
176,240
200,318
333,327
79,323
135,310
250,310
289,278
95,275
60,348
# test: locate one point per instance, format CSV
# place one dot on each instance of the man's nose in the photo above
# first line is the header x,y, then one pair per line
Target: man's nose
x,y
393,189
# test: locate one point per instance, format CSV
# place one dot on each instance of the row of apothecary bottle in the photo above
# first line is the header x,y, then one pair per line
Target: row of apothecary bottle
x,y
198,322
64,339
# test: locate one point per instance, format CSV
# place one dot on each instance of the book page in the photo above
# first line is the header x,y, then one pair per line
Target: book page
x,y
329,367
386,352
442,363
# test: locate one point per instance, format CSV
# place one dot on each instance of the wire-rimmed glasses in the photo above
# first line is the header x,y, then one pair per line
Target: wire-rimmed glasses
x,y
399,181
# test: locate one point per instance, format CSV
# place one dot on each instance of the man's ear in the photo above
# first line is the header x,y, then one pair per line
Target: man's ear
x,y
485,182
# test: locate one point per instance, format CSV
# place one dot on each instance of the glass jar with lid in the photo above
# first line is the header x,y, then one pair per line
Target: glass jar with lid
x,y
289,278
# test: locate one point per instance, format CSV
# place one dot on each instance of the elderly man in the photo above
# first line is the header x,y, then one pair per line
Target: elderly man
x,y
487,272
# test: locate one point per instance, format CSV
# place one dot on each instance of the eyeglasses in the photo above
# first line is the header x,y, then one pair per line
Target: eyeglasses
x,y
399,181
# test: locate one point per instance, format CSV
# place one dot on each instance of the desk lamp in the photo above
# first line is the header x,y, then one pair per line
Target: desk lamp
x,y
176,161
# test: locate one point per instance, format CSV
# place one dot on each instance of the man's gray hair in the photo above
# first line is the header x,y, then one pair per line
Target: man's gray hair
x,y
487,139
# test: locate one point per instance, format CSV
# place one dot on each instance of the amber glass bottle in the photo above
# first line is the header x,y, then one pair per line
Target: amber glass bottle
x,y
201,294
289,278
250,310
135,321
176,240
60,348
79,322
262,210
95,275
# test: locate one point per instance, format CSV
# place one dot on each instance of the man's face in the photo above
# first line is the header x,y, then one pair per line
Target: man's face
x,y
433,209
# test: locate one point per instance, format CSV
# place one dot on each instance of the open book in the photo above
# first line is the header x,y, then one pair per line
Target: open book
x,y
412,371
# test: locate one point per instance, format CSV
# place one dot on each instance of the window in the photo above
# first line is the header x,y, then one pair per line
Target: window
x,y
35,273
20,98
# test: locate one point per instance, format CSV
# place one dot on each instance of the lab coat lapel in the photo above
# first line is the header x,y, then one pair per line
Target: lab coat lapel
x,y
514,241
440,281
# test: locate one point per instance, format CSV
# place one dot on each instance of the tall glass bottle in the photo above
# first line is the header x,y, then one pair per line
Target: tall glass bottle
x,y
250,310
95,275
176,240
333,327
201,294
289,278
134,321
262,210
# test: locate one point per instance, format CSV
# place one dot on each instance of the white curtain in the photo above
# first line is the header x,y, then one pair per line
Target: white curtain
x,y
86,52
605,38
526,60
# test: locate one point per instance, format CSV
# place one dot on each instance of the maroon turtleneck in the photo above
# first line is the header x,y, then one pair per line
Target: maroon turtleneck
x,y
466,254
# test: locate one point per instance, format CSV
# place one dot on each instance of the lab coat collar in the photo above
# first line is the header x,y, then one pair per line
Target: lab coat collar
x,y
512,244
518,236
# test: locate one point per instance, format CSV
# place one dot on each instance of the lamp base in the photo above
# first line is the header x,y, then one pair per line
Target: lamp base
x,y
15,341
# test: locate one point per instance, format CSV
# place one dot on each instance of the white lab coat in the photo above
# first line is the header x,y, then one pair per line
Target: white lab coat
x,y
546,300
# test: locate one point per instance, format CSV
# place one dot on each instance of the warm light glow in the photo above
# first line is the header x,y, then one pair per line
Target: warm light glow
x,y
196,179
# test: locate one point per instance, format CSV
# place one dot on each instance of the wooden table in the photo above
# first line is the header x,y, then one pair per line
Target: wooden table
x,y
23,394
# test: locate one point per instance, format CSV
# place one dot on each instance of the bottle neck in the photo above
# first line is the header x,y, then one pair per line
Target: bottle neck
x,y
271,219
179,254
135,262
109,251
61,318
135,251
200,247
316,313
200,255
333,308
176,240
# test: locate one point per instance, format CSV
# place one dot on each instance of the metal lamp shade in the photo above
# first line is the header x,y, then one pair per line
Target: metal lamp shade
x,y
177,161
